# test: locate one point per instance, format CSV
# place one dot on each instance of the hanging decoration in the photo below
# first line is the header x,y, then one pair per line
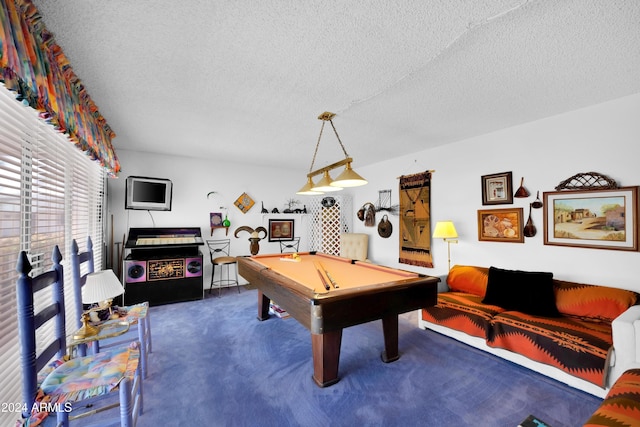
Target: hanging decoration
x,y
254,238
244,203
367,213
415,220
521,192
587,181
529,229
35,68
384,203
385,228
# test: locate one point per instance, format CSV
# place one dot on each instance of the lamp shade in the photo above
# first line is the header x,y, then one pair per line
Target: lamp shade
x,y
445,230
348,178
324,185
101,286
307,189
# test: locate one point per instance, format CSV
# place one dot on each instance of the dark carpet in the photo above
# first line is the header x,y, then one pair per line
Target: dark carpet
x,y
215,364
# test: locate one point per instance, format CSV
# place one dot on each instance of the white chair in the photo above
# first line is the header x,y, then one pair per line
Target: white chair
x,y
354,246
137,314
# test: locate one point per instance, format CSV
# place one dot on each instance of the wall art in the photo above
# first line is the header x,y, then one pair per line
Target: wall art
x,y
497,189
500,225
244,202
600,219
415,220
281,230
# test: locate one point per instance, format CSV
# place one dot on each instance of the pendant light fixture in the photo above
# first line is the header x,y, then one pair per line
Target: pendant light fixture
x,y
348,177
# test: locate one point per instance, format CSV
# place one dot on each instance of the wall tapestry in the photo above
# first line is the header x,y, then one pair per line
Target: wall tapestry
x,y
415,219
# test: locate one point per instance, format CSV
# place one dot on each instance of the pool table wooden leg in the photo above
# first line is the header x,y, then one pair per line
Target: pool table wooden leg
x,y
326,356
263,306
390,330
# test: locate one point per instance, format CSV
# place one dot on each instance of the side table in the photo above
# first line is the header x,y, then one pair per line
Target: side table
x,y
108,329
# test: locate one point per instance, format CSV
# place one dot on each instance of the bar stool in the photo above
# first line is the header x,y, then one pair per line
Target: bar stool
x,y
219,251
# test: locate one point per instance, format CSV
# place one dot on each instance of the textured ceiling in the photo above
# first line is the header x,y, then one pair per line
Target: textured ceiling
x,y
244,80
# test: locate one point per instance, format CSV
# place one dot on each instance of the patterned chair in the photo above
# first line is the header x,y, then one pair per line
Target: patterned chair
x,y
53,382
135,314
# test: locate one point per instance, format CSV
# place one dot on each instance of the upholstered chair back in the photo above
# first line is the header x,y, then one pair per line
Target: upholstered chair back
x,y
354,246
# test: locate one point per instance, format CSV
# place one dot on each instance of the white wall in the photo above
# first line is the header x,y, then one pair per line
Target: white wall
x,y
602,138
193,179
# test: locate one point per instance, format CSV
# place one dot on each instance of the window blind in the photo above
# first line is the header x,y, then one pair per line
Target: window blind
x,y
50,194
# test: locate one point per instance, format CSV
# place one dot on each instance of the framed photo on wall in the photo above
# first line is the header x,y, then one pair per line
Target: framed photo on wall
x,y
497,189
215,219
281,230
600,219
500,225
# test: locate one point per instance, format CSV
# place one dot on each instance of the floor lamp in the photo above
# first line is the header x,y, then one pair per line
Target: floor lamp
x,y
447,231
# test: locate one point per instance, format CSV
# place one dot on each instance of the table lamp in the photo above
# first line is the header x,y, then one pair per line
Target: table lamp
x,y
100,288
447,231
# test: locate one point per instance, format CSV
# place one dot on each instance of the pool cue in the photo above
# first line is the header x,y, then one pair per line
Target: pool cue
x,y
333,282
324,282
326,285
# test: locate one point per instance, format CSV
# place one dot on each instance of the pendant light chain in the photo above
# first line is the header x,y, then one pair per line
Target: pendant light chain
x,y
313,161
344,150
337,136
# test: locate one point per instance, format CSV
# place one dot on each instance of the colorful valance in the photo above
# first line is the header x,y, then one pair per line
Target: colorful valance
x,y
35,67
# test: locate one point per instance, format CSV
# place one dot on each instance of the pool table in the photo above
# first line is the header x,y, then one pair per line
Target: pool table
x,y
358,292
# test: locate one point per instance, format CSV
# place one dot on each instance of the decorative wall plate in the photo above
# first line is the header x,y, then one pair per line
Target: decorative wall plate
x,y
244,203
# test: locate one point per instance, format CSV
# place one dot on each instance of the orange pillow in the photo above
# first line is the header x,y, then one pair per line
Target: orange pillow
x,y
469,279
592,302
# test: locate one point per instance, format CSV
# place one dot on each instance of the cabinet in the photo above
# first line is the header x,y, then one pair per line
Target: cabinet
x,y
163,277
164,265
330,217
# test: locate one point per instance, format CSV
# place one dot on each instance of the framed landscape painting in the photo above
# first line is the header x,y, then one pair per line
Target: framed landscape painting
x,y
500,225
601,219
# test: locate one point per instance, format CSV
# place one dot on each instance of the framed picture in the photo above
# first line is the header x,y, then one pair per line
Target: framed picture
x,y
215,219
600,219
500,225
244,202
280,230
497,189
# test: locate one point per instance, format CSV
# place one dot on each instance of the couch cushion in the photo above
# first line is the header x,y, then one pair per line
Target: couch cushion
x,y
526,291
591,302
468,279
577,347
463,312
621,406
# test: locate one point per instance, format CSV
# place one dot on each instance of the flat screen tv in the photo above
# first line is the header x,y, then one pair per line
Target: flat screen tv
x,y
149,194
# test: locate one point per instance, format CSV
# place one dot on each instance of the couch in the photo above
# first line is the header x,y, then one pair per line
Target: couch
x,y
582,335
621,406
